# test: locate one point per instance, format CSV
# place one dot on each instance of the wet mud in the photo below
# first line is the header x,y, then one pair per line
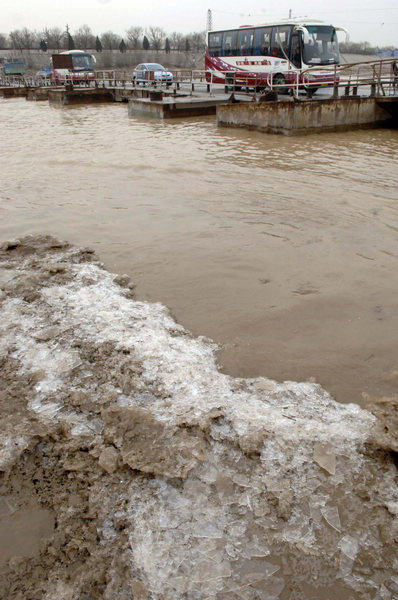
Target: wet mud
x,y
132,468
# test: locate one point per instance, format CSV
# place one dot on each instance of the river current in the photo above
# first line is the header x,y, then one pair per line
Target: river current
x,y
283,250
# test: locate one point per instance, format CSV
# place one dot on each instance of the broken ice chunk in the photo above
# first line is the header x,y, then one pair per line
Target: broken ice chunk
x,y
392,507
47,409
254,549
269,589
206,569
208,530
349,546
254,570
325,457
331,516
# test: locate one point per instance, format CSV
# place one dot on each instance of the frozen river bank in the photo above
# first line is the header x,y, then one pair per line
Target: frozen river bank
x,y
147,473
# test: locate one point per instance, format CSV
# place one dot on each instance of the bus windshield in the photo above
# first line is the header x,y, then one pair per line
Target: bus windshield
x,y
82,62
320,47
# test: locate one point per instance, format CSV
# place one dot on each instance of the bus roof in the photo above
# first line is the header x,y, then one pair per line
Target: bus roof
x,y
282,22
74,52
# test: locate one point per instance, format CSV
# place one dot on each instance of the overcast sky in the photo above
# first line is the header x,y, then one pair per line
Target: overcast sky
x,y
366,20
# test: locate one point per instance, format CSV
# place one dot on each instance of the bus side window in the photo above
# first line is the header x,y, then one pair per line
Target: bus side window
x,y
251,42
234,42
214,44
262,41
228,45
245,42
295,52
281,41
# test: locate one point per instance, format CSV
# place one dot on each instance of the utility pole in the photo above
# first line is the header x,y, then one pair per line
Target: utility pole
x,y
290,13
209,24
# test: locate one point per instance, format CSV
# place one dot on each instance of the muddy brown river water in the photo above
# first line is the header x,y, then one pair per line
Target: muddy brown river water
x,y
282,250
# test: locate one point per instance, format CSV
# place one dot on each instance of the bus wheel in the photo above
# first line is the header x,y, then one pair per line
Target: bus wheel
x,y
279,81
311,91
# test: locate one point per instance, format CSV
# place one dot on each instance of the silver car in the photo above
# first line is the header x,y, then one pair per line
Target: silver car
x,y
152,72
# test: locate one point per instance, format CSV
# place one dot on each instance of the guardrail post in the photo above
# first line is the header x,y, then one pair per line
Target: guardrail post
x,y
295,88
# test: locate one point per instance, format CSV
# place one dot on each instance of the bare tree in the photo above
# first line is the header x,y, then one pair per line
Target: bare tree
x,y
134,35
54,37
22,39
177,41
110,40
84,38
3,41
156,37
197,41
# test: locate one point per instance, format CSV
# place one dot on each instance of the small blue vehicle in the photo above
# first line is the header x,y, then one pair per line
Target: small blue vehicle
x,y
44,73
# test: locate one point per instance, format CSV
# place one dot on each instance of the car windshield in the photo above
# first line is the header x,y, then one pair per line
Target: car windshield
x,y
155,67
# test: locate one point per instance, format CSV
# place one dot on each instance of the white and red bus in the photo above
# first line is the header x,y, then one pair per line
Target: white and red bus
x,y
278,53
72,65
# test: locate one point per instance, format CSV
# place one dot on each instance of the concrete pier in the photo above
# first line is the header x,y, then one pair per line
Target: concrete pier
x,y
78,95
173,107
74,95
38,93
13,92
269,112
295,117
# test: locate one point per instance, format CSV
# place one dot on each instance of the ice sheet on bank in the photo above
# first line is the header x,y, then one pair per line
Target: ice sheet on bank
x,y
232,484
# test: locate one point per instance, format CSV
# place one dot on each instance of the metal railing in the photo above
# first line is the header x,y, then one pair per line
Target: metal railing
x,y
372,78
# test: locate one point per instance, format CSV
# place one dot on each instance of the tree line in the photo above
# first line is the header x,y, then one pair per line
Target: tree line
x,y
361,48
152,38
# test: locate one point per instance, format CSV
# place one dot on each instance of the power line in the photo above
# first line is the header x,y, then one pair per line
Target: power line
x,y
358,10
369,23
330,12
